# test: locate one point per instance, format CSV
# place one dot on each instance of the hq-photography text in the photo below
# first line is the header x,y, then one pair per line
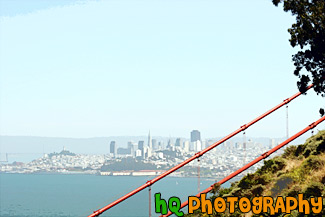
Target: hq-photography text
x,y
257,205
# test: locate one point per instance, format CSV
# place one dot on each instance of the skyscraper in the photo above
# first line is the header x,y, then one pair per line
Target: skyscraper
x,y
154,144
141,147
113,148
178,142
195,136
186,146
132,148
169,144
149,141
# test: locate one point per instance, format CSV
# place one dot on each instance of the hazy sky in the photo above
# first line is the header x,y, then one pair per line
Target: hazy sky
x,y
114,68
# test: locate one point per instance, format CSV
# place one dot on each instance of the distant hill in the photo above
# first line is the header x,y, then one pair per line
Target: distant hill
x,y
27,148
300,169
36,144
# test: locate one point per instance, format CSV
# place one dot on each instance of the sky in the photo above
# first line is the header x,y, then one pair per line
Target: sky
x,y
122,68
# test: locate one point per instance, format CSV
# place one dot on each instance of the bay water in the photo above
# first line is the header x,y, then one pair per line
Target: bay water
x,y
74,195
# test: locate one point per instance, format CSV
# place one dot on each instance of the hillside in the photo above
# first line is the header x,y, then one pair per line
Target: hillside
x,y
300,169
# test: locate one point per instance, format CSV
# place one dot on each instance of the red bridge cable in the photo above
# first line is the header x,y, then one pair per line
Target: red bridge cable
x,y
197,155
263,156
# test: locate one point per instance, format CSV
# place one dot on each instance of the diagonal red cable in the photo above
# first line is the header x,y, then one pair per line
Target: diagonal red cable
x,y
263,156
197,155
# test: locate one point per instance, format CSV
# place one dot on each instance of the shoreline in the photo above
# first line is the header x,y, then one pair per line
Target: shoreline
x,y
96,174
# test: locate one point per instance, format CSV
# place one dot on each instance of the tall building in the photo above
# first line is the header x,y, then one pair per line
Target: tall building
x,y
198,145
132,147
147,152
149,141
186,146
113,148
204,144
154,144
169,144
161,145
138,153
141,147
178,142
195,136
272,143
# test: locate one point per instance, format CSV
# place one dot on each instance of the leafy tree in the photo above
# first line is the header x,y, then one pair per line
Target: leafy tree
x,y
308,32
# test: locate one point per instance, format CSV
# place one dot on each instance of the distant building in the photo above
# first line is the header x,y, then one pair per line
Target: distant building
x,y
147,152
161,155
141,147
204,144
193,146
198,145
228,145
161,145
195,136
154,144
138,153
149,141
113,148
178,142
272,143
186,146
169,144
132,148
123,151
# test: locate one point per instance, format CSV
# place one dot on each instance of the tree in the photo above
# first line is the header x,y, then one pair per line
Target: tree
x,y
308,32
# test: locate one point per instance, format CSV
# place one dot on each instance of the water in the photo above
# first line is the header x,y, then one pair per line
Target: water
x,y
53,195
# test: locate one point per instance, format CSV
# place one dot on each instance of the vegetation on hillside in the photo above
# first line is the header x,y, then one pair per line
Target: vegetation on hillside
x,y
127,164
63,152
300,169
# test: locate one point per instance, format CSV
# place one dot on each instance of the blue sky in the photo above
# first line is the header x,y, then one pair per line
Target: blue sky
x,y
114,68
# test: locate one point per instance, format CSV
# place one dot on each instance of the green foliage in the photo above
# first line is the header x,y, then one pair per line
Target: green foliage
x,y
289,152
236,192
224,191
216,188
127,164
63,152
308,32
247,181
323,180
219,191
313,146
294,191
257,190
263,179
314,189
313,163
272,165
299,150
